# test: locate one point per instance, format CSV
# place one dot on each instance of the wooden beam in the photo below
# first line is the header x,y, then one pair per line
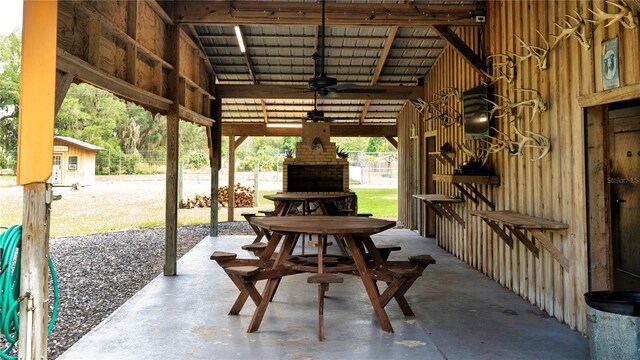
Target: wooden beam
x,y
609,96
299,92
252,74
379,66
155,6
92,75
337,14
63,82
240,140
392,140
215,150
467,54
259,129
173,141
132,50
194,117
232,177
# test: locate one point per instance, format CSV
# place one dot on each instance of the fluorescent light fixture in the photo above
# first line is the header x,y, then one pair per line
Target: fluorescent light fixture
x,y
282,125
239,36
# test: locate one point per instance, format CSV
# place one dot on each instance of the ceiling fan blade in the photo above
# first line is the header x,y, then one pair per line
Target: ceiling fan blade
x,y
354,89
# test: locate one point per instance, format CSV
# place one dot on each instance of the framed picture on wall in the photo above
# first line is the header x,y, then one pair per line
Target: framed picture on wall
x,y
610,62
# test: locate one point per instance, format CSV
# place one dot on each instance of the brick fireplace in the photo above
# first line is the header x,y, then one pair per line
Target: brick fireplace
x,y
316,167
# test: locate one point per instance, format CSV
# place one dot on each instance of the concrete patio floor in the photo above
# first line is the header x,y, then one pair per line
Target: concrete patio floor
x,y
460,314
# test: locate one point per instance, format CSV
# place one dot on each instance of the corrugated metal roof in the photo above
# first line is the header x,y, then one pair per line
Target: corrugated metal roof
x,y
281,54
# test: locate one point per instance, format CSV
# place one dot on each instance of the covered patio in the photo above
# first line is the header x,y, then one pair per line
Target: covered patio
x,y
510,124
460,314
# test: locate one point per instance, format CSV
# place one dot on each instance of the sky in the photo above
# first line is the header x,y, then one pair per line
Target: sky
x,y
10,15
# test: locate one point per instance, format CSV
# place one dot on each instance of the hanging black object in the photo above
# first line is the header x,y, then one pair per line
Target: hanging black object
x,y
322,84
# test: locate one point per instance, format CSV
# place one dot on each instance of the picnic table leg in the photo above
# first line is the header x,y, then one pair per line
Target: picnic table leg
x,y
378,260
369,285
272,284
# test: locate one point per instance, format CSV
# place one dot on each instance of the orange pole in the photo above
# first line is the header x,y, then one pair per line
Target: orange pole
x,y
37,91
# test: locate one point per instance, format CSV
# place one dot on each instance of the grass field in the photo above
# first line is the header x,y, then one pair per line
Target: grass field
x,y
117,203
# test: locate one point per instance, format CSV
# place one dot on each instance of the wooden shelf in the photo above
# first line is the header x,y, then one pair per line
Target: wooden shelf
x,y
467,185
518,224
441,204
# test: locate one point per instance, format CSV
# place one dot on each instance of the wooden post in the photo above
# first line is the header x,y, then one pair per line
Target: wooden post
x,y
173,119
215,146
232,175
34,312
35,158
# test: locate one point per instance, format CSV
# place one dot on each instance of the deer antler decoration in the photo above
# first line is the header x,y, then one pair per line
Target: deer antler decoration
x,y
504,70
532,140
540,54
440,109
577,28
625,17
506,109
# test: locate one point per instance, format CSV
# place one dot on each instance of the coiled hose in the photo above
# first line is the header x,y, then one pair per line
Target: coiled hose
x,y
10,288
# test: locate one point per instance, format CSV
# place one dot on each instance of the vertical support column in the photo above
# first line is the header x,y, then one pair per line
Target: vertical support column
x,y
173,119
215,149
232,175
35,161
132,49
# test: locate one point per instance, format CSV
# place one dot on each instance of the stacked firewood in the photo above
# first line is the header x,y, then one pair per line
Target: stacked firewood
x,y
243,196
199,201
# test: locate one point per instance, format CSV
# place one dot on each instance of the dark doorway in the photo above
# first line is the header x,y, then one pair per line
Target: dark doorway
x,y
624,137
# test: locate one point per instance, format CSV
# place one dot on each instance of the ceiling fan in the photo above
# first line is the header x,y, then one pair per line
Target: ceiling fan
x,y
316,115
324,85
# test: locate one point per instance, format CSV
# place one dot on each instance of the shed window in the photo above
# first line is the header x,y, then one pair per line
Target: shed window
x,y
73,163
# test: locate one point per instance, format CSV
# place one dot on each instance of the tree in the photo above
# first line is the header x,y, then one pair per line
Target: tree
x,y
10,47
375,145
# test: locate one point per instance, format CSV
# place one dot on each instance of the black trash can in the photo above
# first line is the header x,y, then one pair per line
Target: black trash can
x,y
613,321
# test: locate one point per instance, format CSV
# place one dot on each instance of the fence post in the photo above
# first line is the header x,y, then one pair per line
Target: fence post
x,y
109,157
256,174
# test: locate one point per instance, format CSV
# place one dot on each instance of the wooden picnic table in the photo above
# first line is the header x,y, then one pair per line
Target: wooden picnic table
x,y
285,201
366,261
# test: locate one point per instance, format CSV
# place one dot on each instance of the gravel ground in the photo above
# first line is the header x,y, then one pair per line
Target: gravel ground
x,y
97,273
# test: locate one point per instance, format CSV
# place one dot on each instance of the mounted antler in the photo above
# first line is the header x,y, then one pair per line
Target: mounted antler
x,y
507,107
626,17
532,140
504,70
540,54
440,109
577,28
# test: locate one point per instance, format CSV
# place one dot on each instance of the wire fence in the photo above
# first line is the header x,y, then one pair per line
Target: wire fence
x,y
365,168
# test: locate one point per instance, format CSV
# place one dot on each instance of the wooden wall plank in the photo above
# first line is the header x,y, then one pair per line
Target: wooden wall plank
x,y
539,188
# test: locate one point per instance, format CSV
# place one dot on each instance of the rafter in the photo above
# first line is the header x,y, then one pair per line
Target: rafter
x,y
338,14
376,73
461,48
252,74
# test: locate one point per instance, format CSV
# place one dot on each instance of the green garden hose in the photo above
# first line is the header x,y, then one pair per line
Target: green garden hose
x,y
10,288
